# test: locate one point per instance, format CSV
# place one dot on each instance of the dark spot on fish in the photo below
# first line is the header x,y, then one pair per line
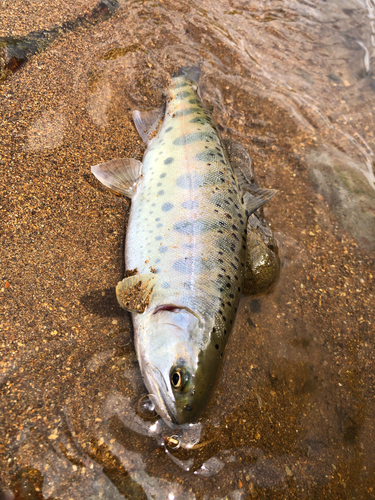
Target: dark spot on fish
x,y
228,216
166,207
234,266
159,225
163,174
160,193
168,129
168,161
158,238
159,184
188,408
163,249
217,346
207,155
231,296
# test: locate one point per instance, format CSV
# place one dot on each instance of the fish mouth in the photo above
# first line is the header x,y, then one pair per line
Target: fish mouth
x,y
159,396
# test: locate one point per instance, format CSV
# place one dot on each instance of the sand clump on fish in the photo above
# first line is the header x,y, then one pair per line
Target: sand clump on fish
x,y
193,245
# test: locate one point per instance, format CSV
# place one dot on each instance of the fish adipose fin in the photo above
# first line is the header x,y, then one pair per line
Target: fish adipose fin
x,y
133,293
147,122
257,197
122,175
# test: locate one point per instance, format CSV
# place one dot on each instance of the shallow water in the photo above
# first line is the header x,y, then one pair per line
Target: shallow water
x,y
293,413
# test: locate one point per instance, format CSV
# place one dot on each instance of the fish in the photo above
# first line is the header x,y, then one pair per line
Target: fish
x,y
185,248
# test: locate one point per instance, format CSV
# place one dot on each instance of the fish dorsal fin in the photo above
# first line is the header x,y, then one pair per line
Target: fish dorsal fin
x,y
146,122
121,175
257,197
133,293
241,163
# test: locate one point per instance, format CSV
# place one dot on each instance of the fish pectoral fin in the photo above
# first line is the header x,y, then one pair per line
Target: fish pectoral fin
x,y
121,175
257,197
147,122
133,293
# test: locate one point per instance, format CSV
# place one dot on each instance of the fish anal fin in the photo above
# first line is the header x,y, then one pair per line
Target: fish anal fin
x,y
133,293
121,175
255,198
147,122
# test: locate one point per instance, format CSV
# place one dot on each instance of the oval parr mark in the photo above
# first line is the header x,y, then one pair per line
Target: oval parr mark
x,y
190,181
190,265
190,227
183,94
168,161
190,204
166,207
191,138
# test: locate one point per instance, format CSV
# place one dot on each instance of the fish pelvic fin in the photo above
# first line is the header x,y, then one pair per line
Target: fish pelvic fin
x,y
134,293
147,122
122,175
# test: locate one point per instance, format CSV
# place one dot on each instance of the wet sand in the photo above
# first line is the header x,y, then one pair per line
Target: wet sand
x,y
293,414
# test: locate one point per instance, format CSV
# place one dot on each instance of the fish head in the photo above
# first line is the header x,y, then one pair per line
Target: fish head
x,y
170,353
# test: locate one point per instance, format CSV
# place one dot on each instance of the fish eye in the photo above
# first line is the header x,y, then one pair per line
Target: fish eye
x,y
176,379
180,378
